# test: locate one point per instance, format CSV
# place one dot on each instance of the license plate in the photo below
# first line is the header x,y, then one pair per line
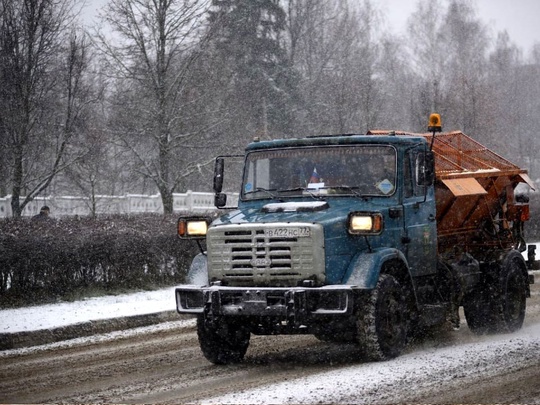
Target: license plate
x,y
297,232
261,262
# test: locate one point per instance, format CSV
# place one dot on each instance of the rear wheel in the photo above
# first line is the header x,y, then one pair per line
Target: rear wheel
x,y
382,321
224,343
511,304
478,311
500,306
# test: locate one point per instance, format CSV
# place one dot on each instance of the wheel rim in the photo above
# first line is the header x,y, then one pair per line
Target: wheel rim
x,y
391,325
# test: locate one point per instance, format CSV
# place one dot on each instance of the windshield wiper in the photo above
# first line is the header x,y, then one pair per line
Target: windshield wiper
x,y
303,189
352,189
264,190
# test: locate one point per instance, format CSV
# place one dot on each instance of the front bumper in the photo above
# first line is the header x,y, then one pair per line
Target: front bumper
x,y
298,303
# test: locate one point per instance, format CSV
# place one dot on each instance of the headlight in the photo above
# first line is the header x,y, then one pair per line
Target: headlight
x,y
365,223
192,228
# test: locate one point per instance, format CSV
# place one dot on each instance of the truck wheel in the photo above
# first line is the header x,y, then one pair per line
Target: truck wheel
x,y
477,311
339,336
382,322
500,307
225,344
511,302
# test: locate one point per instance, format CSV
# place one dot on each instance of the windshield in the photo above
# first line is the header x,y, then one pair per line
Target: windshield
x,y
366,170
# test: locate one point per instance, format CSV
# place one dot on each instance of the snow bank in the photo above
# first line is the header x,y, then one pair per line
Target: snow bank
x,y
91,309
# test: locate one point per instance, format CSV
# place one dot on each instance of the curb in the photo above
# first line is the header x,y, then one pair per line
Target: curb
x,y
19,340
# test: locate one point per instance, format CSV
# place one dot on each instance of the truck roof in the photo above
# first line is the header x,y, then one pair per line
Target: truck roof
x,y
331,140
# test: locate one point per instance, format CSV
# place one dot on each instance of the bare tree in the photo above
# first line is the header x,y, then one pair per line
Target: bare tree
x,y
449,49
467,44
531,91
40,78
395,76
150,53
515,87
335,48
311,51
429,58
506,102
95,173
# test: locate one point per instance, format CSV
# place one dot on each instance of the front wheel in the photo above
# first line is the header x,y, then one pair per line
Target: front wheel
x,y
382,323
224,343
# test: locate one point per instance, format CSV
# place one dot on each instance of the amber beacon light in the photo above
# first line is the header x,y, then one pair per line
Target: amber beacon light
x,y
435,124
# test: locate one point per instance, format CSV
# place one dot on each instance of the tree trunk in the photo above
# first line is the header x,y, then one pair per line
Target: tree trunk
x,y
167,200
16,208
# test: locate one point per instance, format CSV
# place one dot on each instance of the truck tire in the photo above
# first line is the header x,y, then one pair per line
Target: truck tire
x,y
478,311
382,320
513,300
336,336
500,306
226,343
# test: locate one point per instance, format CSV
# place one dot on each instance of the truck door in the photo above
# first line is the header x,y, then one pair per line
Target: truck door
x,y
419,237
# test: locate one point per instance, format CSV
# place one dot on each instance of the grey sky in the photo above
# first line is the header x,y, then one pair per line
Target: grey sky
x,y
521,18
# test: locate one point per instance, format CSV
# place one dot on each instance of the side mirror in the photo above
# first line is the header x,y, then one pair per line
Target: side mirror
x,y
218,175
425,168
220,200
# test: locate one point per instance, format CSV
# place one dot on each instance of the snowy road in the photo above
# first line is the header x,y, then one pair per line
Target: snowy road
x,y
433,375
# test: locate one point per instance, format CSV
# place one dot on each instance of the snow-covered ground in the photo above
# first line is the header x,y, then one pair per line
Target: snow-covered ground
x,y
92,309
417,373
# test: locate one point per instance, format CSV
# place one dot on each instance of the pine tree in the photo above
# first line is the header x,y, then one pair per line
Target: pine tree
x,y
248,40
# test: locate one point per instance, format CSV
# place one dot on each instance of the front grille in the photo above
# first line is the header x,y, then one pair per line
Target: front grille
x,y
266,255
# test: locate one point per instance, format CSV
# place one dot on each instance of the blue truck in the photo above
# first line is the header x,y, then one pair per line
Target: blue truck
x,y
368,238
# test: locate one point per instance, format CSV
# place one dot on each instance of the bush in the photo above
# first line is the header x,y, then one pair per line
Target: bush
x,y
57,259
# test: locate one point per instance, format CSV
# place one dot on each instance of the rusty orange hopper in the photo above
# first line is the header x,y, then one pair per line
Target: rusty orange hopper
x,y
474,191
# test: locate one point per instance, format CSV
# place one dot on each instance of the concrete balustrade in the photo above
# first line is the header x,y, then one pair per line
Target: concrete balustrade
x,y
191,201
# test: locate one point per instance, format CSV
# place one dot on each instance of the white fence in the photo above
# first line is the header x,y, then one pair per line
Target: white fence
x,y
191,201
